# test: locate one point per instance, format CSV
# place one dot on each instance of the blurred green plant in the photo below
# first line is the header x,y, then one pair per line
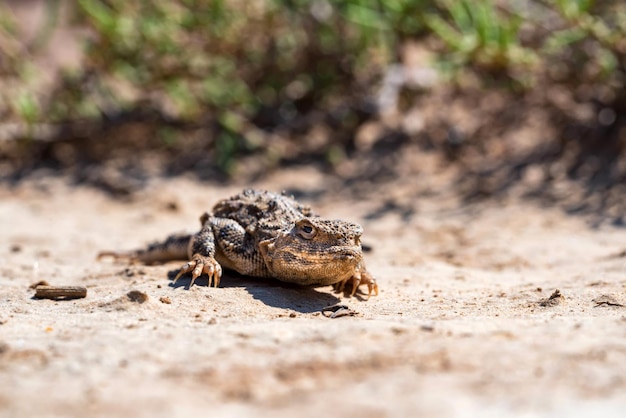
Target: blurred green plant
x,y
27,108
270,62
265,65
476,33
592,37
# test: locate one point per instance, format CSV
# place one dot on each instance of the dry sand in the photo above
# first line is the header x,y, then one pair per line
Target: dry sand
x,y
457,330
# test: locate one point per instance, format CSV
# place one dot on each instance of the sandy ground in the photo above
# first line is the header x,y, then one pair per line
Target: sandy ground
x,y
457,330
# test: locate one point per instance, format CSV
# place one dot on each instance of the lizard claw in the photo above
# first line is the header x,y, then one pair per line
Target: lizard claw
x,y
358,279
372,285
184,269
202,265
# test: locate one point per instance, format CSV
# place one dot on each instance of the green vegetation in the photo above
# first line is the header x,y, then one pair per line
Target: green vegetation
x,y
253,67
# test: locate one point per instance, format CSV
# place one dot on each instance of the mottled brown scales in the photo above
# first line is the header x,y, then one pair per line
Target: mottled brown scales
x,y
262,234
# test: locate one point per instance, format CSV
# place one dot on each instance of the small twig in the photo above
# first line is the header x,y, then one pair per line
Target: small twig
x,y
60,292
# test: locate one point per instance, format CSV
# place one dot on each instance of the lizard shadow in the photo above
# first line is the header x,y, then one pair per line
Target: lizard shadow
x,y
269,291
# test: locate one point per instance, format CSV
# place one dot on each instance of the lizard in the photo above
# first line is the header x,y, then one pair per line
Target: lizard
x,y
263,234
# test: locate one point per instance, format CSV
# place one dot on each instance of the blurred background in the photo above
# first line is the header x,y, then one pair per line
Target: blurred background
x,y
487,98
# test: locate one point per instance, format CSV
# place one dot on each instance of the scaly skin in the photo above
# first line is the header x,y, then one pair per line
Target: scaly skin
x,y
262,234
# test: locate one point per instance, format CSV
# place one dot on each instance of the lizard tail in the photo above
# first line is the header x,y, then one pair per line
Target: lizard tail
x,y
172,248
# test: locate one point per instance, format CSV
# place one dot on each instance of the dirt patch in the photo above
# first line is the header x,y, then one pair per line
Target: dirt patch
x,y
456,329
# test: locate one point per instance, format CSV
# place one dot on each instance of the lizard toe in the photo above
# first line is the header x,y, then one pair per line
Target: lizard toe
x,y
186,268
200,265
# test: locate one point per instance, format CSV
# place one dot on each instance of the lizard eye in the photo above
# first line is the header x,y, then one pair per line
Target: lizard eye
x,y
306,231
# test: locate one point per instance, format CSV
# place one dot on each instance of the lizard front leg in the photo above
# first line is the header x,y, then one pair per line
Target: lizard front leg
x,y
202,255
360,277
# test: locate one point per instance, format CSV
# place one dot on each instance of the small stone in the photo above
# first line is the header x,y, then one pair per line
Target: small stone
x,y
607,300
165,299
172,206
137,296
555,299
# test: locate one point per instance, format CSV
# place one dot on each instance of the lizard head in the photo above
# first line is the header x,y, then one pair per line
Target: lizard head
x,y
315,251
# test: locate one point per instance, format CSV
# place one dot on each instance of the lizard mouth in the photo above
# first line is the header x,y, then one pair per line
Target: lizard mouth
x,y
347,252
